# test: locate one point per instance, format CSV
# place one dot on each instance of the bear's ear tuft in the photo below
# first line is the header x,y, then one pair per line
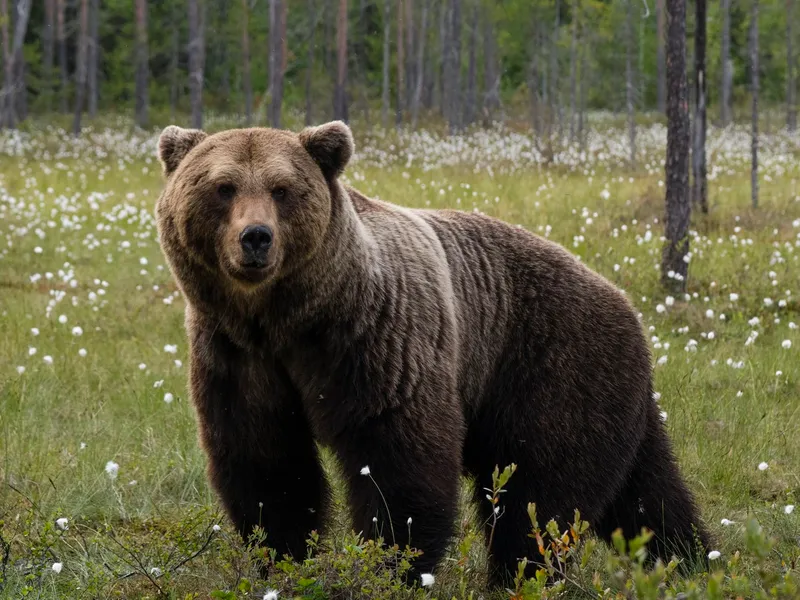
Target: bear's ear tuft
x,y
174,144
330,145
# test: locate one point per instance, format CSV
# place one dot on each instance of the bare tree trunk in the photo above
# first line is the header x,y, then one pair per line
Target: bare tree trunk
x,y
423,34
48,51
277,35
310,62
61,34
247,83
340,98
13,93
754,86
725,96
469,112
444,57
700,187
387,14
491,72
791,91
660,62
408,23
401,87
573,60
555,93
674,268
173,67
7,93
533,81
455,67
142,67
94,56
196,62
584,86
80,82
629,84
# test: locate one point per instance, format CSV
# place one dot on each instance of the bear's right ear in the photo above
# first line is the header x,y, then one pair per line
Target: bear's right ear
x,y
174,144
330,145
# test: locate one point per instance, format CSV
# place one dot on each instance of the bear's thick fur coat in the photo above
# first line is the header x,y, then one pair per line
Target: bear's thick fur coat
x,y
423,344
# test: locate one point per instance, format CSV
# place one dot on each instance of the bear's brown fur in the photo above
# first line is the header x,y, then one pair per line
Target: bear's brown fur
x,y
422,344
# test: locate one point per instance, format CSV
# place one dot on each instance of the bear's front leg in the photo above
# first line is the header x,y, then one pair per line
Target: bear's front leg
x,y
403,472
263,462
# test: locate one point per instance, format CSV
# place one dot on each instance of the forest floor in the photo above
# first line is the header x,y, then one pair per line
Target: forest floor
x,y
96,427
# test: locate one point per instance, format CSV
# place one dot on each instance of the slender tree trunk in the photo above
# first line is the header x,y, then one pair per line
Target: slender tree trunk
x,y
20,87
678,206
472,91
444,58
94,56
584,85
7,93
408,23
700,186
14,92
491,72
791,90
455,67
629,83
660,61
310,62
533,80
340,99
196,52
61,34
81,67
573,66
555,93
387,28
725,96
423,34
173,67
754,86
48,51
247,84
142,66
277,34
401,85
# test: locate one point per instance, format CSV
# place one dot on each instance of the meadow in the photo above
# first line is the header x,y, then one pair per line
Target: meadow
x,y
103,491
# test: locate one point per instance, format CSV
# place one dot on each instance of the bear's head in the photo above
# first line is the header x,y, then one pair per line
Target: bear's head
x,y
250,205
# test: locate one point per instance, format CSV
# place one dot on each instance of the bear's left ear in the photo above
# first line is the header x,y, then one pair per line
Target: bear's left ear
x,y
174,144
330,145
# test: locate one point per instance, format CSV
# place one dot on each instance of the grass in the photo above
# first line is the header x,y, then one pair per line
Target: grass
x,y
78,240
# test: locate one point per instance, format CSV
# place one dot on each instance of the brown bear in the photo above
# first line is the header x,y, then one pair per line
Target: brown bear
x,y
421,343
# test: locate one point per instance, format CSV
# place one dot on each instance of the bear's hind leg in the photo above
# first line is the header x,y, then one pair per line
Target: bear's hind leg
x,y
655,496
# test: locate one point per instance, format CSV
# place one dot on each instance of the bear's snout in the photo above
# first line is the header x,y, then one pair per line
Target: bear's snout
x,y
256,241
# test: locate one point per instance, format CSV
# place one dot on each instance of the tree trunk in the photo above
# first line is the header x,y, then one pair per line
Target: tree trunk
x,y
454,90
444,57
401,86
754,85
94,57
725,96
491,72
310,62
387,27
7,93
340,97
247,84
660,63
13,92
48,51
142,67
629,84
61,34
196,52
81,67
469,112
408,23
573,60
791,102
173,67
555,93
700,185
277,34
678,207
584,86
423,34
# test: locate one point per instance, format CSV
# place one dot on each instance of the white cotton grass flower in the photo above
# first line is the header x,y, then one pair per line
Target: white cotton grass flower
x,y
365,471
168,398
171,348
142,366
48,360
155,572
77,331
34,331
763,466
734,297
63,523
271,595
62,319
31,351
788,509
669,300
663,415
216,528
20,369
409,522
112,469
727,522
660,308
786,344
57,566
427,579
82,353
714,555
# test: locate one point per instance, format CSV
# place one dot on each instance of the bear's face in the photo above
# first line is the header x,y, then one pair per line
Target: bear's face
x,y
249,204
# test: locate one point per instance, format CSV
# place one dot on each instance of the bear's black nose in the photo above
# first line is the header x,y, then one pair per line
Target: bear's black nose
x,y
255,240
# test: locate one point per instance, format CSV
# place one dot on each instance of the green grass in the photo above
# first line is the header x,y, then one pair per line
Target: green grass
x,y
89,209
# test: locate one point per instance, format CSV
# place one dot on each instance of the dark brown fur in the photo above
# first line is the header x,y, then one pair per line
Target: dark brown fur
x,y
424,344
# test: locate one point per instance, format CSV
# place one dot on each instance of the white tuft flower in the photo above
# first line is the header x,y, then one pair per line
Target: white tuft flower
x,y
663,415
82,352
142,366
34,331
408,522
62,319
662,360
171,348
112,469
727,522
168,398
63,523
365,471
20,369
48,360
57,567
178,364
427,579
714,555
31,351
660,308
786,344
155,572
77,331
788,509
216,528
710,314
271,595
669,301
763,466
734,297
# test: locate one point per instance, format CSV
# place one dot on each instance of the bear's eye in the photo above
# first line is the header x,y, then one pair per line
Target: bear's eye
x,y
278,193
226,191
